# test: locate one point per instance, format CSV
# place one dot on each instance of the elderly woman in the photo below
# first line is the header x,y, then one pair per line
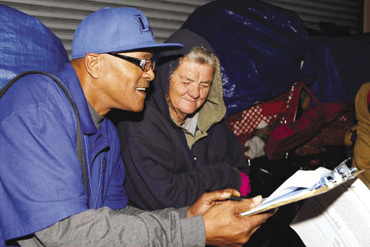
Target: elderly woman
x,y
181,146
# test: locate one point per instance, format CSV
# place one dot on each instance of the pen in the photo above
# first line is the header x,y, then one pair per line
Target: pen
x,y
235,198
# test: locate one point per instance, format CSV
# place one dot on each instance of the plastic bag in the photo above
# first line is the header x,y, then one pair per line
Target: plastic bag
x,y
26,44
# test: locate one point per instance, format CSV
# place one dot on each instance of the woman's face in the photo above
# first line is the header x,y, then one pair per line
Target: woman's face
x,y
189,88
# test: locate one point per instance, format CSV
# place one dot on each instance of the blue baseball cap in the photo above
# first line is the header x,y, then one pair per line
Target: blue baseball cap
x,y
115,30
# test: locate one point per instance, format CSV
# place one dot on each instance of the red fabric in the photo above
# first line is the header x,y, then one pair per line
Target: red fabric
x,y
272,107
332,134
292,134
274,112
296,118
245,188
245,123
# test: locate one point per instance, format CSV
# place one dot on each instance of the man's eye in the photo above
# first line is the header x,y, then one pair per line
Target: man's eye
x,y
185,82
206,85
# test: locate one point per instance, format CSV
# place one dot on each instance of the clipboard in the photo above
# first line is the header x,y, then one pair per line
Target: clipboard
x,y
287,193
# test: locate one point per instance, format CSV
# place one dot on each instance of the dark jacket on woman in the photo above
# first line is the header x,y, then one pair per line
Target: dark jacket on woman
x,y
166,166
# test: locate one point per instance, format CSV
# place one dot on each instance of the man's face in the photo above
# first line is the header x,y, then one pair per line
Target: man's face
x,y
189,87
125,83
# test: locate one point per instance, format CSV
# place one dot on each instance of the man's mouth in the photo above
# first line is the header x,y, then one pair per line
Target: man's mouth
x,y
142,89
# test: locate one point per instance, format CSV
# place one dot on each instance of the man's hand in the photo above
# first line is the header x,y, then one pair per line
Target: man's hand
x,y
225,226
208,200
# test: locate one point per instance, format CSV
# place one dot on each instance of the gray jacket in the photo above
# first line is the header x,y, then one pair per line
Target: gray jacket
x,y
107,227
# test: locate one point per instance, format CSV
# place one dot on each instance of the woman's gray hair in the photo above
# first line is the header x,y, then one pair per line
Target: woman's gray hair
x,y
202,56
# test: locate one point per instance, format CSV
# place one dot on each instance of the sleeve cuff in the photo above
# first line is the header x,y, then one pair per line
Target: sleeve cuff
x,y
183,212
193,231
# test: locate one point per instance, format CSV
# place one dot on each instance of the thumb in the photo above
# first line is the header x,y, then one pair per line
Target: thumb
x,y
256,201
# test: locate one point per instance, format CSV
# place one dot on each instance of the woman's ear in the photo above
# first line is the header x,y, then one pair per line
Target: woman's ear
x,y
92,64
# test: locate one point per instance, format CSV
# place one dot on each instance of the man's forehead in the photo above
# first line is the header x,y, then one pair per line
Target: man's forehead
x,y
138,53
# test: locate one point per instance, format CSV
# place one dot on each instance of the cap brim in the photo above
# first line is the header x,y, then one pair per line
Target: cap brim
x,y
155,47
167,47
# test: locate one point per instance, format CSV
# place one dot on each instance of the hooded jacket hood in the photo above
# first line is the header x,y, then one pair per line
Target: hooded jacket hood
x,y
213,110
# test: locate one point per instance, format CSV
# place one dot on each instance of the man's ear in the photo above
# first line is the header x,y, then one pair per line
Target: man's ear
x,y
92,64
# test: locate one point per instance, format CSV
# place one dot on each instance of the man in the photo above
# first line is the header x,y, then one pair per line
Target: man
x,y
43,198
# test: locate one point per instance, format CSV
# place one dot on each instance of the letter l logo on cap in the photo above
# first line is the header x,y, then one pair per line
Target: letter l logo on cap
x,y
143,27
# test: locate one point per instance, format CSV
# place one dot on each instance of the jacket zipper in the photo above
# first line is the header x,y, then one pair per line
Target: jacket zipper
x,y
103,180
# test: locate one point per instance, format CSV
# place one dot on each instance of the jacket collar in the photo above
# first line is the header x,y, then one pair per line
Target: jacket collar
x,y
69,78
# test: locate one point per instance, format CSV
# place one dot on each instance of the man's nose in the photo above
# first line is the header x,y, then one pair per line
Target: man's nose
x,y
149,75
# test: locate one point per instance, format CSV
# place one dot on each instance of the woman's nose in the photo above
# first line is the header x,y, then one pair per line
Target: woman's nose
x,y
194,90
